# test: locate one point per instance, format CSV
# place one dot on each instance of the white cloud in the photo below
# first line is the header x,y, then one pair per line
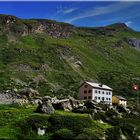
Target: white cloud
x,y
101,10
128,23
65,10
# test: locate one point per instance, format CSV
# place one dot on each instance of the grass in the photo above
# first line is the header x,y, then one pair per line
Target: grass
x,y
95,52
20,122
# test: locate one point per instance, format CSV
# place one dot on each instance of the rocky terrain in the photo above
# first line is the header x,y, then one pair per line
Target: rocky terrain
x,y
54,58
42,64
33,26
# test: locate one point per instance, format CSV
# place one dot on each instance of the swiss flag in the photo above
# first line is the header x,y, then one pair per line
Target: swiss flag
x,y
136,87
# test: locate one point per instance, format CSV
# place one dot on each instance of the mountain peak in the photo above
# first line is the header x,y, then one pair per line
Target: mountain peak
x,y
118,26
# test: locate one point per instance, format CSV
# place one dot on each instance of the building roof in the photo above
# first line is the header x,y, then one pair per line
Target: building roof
x,y
120,97
98,85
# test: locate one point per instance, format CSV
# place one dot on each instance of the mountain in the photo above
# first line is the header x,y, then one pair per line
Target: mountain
x,y
54,57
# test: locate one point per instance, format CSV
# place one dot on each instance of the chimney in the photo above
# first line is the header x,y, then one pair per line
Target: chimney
x,y
100,85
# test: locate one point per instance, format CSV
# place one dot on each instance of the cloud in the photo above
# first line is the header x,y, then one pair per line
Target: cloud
x,y
128,23
65,10
96,11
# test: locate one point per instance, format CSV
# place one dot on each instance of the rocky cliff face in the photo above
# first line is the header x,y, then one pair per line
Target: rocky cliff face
x,y
17,26
134,42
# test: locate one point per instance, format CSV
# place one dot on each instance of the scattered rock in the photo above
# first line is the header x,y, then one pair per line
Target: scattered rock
x,y
29,92
122,109
80,109
134,42
135,113
45,107
63,105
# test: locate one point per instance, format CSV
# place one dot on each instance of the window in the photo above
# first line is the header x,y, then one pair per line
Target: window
x,y
109,99
85,91
99,98
99,91
85,86
103,98
89,91
106,98
103,92
106,93
95,91
89,97
109,93
85,97
96,97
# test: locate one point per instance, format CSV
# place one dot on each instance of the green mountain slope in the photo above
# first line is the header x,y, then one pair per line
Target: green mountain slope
x,y
54,58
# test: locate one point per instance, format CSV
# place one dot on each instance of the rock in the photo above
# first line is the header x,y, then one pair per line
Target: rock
x,y
40,131
92,105
135,113
36,101
45,107
123,137
122,109
134,42
52,100
80,109
29,92
64,104
75,103
138,137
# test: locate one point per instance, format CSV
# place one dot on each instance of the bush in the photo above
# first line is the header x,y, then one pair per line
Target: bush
x,y
82,136
127,129
100,116
73,122
29,126
111,113
113,133
63,134
90,134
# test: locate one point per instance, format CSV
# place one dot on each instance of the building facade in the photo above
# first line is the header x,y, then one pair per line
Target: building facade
x,y
119,100
95,91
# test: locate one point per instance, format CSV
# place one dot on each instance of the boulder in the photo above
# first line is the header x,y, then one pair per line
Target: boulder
x,y
75,103
122,109
80,109
29,92
36,101
92,105
45,107
64,104
135,113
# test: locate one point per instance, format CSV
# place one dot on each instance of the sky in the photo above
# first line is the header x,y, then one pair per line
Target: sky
x,y
89,14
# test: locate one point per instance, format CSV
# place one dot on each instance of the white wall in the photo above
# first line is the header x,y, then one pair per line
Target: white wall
x,y
101,93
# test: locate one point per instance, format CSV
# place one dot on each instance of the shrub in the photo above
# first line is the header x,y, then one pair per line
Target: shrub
x,y
100,116
29,126
73,122
111,113
93,134
82,136
63,134
113,133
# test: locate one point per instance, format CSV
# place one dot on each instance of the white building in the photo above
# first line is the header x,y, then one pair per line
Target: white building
x,y
95,91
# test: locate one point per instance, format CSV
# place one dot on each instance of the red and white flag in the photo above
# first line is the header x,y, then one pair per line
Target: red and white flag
x,y
136,88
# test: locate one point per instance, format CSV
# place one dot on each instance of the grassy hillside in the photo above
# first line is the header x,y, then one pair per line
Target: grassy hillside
x,y
56,65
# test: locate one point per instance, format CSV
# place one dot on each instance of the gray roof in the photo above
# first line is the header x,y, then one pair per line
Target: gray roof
x,y
97,85
120,97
